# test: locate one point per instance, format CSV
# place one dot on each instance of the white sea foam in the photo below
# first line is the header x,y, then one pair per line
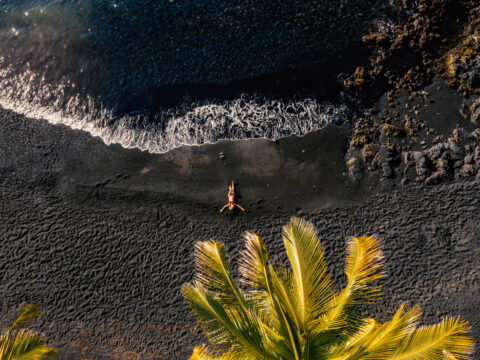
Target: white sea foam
x,y
242,118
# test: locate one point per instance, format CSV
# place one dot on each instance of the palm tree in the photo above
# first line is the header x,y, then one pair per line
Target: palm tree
x,y
296,314
16,343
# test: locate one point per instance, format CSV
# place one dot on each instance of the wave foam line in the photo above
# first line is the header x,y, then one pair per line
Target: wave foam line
x,y
241,118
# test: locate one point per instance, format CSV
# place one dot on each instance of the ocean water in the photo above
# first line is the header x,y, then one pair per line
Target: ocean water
x,y
160,74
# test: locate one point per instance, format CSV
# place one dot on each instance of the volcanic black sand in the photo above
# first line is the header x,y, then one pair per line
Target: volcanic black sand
x,y
103,236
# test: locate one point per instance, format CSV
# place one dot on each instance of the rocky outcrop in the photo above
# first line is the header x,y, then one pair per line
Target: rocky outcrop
x,y
425,30
456,158
462,65
475,112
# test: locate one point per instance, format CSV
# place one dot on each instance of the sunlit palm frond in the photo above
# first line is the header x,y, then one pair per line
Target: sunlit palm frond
x,y
257,276
287,315
213,271
385,340
25,315
363,265
448,355
367,327
214,274
355,343
271,295
25,345
228,329
211,316
253,268
448,338
203,353
310,279
302,344
380,341
321,343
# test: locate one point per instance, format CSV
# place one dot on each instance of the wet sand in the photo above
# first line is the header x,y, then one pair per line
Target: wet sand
x,y
103,236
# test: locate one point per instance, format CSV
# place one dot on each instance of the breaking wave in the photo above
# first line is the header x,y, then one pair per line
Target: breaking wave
x,y
194,123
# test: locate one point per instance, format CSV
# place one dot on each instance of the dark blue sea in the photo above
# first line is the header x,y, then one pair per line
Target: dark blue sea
x,y
160,74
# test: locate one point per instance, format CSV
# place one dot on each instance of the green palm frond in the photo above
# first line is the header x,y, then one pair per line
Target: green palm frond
x,y
25,315
355,343
257,276
356,340
271,295
448,355
287,315
293,314
253,268
386,339
25,345
311,282
203,353
224,329
213,268
377,341
214,276
19,344
435,342
363,265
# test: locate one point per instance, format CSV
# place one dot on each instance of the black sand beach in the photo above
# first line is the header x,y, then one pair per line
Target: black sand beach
x,y
103,236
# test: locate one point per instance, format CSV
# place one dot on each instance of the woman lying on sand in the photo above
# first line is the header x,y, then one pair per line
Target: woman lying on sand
x,y
231,199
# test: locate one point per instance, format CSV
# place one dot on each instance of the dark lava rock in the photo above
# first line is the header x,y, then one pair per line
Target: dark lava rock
x,y
455,150
468,159
435,151
436,178
355,169
469,170
422,165
385,159
475,112
392,130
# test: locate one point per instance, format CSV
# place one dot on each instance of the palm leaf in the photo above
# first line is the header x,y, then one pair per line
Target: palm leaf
x,y
363,264
448,355
213,271
303,344
25,315
380,341
448,338
253,268
386,339
257,274
228,329
354,343
311,283
287,314
203,353
320,344
25,345
368,327
214,274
